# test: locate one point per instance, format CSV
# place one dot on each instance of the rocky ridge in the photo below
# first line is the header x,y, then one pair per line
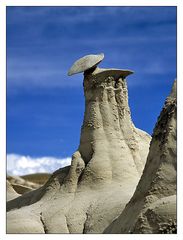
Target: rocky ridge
x,y
152,209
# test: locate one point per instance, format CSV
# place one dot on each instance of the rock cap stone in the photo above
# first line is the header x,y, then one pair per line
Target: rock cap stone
x,y
113,72
85,63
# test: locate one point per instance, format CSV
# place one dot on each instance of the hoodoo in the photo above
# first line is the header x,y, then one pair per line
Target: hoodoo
x,y
105,169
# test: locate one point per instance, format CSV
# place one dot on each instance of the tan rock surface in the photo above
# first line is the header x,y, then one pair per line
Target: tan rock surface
x,y
152,209
21,189
85,63
37,178
17,180
86,196
11,193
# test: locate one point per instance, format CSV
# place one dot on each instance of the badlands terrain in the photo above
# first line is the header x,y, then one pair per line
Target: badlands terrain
x,y
121,180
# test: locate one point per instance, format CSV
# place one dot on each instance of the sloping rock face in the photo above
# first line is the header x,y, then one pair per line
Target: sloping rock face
x,y
37,178
86,196
11,193
152,209
22,185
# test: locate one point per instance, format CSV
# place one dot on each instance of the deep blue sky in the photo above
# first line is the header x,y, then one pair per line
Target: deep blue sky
x,y
45,107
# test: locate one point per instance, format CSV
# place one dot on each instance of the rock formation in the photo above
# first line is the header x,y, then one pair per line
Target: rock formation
x,y
23,182
152,209
11,193
37,178
86,196
88,62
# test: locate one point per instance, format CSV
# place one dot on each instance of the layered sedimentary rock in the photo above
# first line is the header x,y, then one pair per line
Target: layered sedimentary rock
x,y
21,185
86,196
11,193
37,178
152,209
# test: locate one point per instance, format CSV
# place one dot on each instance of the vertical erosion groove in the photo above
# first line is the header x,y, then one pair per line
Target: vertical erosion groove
x,y
43,223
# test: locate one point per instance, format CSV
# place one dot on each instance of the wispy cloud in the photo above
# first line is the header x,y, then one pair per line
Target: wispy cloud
x,y
64,15
43,42
21,165
87,14
37,74
53,24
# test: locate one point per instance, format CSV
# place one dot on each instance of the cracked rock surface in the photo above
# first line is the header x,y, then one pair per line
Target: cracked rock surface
x,y
88,195
152,209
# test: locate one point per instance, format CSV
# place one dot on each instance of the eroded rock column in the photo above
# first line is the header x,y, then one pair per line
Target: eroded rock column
x,y
88,195
108,144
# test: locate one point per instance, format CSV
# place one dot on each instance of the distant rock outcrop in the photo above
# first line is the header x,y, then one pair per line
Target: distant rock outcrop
x,y
11,193
21,185
86,196
36,178
152,209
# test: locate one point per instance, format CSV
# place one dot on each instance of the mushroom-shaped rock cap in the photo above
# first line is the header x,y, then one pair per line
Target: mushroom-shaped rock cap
x,y
85,63
115,73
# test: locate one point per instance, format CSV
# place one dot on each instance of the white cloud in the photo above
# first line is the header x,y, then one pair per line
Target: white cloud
x,y
37,74
21,165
